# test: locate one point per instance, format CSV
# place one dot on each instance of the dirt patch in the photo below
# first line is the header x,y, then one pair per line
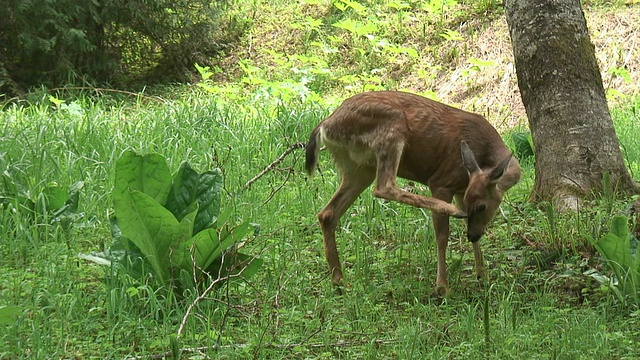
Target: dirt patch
x,y
493,90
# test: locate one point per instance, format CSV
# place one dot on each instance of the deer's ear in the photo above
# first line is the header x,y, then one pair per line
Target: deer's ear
x,y
499,170
468,159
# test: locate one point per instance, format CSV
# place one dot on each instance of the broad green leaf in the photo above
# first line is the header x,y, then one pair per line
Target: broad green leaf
x,y
236,233
620,229
236,263
148,174
57,102
8,313
523,144
197,250
56,196
74,196
451,35
356,27
230,238
398,5
65,204
120,240
359,8
190,188
205,247
152,228
622,73
209,245
179,252
481,63
616,251
241,231
205,72
248,264
155,218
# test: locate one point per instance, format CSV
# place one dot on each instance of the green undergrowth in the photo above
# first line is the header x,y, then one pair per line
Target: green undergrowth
x,y
542,301
318,50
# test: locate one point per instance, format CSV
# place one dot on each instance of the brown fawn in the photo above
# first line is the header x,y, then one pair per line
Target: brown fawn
x,y
381,135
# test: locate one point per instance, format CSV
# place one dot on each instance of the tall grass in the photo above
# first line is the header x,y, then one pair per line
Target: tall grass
x,y
532,308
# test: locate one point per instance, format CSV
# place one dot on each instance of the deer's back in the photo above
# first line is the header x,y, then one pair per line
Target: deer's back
x,y
430,133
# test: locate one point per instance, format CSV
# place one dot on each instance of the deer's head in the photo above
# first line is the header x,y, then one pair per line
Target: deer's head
x,y
484,192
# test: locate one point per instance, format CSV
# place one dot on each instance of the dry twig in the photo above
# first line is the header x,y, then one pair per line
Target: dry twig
x,y
275,162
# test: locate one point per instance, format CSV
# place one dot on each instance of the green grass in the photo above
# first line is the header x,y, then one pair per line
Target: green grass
x,y
538,305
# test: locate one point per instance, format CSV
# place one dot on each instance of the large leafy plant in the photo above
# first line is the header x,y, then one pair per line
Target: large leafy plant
x,y
620,250
170,227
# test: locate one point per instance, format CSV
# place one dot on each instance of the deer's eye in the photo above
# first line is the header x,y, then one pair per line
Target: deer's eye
x,y
480,208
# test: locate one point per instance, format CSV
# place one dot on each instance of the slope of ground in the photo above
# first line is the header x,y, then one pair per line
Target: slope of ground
x,y
472,68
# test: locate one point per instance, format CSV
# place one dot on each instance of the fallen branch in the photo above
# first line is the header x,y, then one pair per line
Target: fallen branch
x,y
277,161
100,90
209,288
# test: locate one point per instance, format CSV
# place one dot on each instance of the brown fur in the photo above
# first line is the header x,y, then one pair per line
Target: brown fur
x,y
381,135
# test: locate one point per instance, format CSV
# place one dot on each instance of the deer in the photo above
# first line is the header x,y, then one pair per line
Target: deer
x,y
382,135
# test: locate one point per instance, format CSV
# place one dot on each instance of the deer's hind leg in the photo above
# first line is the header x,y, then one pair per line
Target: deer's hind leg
x,y
354,180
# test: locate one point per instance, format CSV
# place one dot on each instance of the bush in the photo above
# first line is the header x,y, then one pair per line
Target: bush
x,y
63,41
171,228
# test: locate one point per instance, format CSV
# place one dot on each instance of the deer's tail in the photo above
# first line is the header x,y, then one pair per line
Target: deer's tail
x,y
312,149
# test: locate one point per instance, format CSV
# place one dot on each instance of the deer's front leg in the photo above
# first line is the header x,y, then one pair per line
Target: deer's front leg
x,y
441,227
479,259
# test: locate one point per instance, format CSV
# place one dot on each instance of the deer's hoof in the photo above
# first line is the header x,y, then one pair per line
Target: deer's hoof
x,y
441,291
460,215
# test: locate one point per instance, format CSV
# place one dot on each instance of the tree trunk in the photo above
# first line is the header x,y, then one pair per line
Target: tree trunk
x,y
561,87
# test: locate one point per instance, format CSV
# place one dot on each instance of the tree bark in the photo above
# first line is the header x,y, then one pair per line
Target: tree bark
x,y
576,147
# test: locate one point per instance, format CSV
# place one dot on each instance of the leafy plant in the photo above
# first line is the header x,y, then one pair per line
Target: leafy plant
x,y
61,40
9,313
620,72
171,227
53,203
620,250
523,144
343,5
439,6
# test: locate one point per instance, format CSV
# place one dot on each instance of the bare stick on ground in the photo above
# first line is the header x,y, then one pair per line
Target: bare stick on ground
x,y
275,162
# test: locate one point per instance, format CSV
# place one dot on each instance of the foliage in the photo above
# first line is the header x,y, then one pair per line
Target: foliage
x,y
539,303
9,313
620,250
349,46
174,224
627,129
288,309
54,203
56,42
523,143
